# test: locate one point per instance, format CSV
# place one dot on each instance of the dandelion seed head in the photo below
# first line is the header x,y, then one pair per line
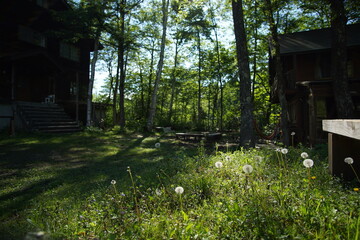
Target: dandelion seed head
x,y
304,155
284,151
308,163
292,133
227,158
349,160
158,192
157,145
179,190
248,169
218,164
113,182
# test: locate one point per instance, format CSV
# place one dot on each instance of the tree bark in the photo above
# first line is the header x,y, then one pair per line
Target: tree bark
x,y
173,81
246,107
343,100
91,82
279,81
152,111
121,55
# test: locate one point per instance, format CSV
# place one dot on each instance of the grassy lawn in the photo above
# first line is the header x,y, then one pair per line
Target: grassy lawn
x,y
36,169
63,186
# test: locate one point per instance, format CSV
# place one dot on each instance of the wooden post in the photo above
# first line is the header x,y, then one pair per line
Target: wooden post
x,y
13,82
77,97
312,118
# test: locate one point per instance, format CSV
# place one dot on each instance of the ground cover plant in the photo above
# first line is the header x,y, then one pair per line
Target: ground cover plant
x,y
110,186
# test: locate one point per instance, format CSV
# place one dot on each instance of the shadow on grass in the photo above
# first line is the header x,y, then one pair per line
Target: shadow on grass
x,y
40,167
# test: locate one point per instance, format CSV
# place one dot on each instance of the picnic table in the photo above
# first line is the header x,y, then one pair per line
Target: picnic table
x,y
343,141
198,136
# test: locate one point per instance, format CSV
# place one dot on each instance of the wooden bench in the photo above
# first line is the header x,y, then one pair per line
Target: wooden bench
x,y
343,141
189,136
211,137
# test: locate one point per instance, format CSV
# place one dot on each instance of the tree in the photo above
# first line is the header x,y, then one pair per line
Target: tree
x,y
343,100
279,81
246,108
152,111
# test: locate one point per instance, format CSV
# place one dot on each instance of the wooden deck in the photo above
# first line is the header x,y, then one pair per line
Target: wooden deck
x,y
343,141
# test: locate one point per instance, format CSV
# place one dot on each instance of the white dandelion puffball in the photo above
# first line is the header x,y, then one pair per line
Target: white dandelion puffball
x,y
304,155
258,158
349,160
248,169
179,190
218,164
113,182
308,163
284,151
158,192
227,158
292,133
157,145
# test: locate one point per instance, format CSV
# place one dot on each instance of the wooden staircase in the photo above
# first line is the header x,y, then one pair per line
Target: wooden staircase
x,y
46,117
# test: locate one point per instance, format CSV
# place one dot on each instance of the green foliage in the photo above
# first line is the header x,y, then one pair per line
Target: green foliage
x,y
220,200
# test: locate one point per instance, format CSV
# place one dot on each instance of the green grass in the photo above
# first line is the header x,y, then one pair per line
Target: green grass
x,y
61,185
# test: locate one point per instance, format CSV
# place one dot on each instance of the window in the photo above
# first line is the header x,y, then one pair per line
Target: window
x,y
69,51
29,35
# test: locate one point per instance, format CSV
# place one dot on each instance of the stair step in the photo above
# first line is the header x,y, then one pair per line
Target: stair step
x,y
50,118
55,123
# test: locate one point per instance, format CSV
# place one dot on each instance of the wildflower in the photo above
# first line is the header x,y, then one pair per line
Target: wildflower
x,y
292,133
349,160
227,158
158,192
304,155
218,164
308,163
113,182
157,145
313,177
258,158
284,151
278,150
248,169
356,189
179,190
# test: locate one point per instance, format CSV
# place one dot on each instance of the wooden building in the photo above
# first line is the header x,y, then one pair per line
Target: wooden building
x,y
36,66
306,59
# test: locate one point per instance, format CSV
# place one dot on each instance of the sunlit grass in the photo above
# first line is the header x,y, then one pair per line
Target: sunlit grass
x,y
110,186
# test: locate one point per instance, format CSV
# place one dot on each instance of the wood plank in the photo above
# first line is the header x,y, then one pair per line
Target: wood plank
x,y
344,127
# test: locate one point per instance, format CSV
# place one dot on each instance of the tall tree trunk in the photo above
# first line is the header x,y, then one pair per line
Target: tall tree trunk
x,y
152,111
116,89
173,81
279,81
246,107
343,100
150,80
122,65
91,82
199,112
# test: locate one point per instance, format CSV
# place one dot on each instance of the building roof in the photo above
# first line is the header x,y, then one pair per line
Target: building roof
x,y
315,40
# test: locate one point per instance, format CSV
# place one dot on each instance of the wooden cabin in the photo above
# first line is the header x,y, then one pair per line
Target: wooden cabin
x,y
306,60
37,66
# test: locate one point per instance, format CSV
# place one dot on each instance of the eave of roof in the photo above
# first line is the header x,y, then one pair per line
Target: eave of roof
x,y
315,40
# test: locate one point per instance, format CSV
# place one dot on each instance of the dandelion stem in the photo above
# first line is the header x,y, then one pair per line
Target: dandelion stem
x,y
134,192
357,177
